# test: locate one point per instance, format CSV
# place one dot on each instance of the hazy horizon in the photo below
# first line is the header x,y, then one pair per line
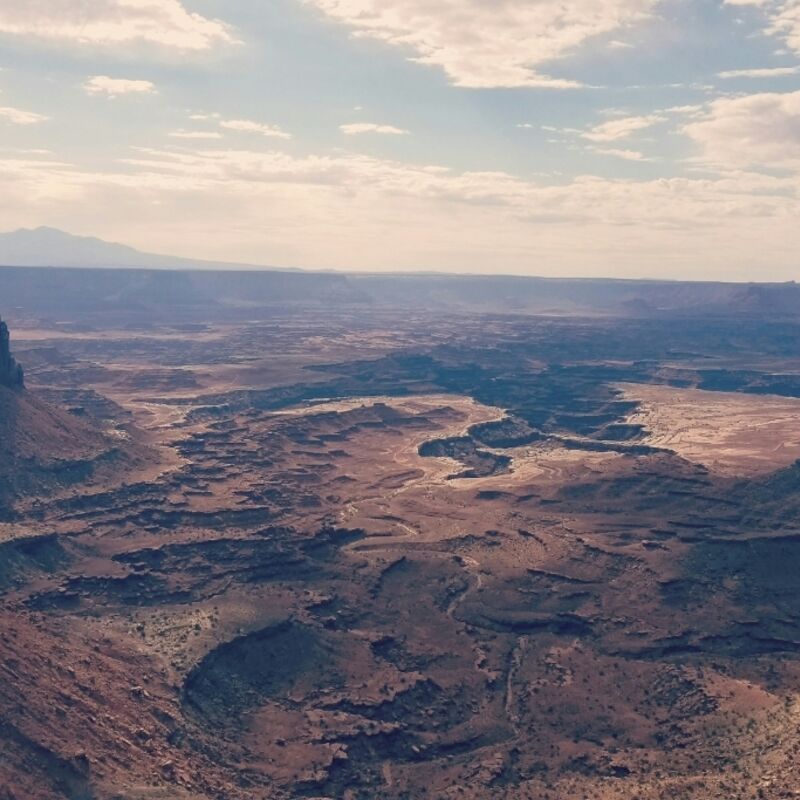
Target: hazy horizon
x,y
173,262
630,139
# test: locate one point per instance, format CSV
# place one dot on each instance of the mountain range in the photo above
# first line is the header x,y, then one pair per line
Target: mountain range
x,y
104,275
50,247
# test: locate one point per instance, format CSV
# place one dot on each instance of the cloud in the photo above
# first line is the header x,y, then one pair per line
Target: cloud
x,y
689,110
113,87
357,212
481,44
676,202
628,155
621,128
356,128
786,23
248,126
19,117
762,72
759,131
113,22
181,134
783,18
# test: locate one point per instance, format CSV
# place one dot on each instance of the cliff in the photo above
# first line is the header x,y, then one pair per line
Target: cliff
x,y
11,374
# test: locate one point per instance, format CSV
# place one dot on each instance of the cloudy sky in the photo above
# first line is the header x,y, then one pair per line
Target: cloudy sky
x,y
554,137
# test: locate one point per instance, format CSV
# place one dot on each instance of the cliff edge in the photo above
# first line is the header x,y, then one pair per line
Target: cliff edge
x,y
11,374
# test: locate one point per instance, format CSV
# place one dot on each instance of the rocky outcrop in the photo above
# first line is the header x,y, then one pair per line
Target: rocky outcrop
x,y
11,374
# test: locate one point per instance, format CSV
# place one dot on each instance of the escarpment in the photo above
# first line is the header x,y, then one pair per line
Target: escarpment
x,y
11,374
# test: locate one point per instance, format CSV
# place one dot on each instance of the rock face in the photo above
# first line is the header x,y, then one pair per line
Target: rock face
x,y
11,374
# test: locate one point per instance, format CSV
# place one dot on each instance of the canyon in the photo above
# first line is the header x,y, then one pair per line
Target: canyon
x,y
342,550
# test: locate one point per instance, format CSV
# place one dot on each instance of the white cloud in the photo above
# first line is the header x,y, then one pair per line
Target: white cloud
x,y
113,22
783,18
365,213
113,87
181,134
677,203
621,128
786,23
755,131
689,111
482,44
248,126
356,128
628,155
761,72
18,116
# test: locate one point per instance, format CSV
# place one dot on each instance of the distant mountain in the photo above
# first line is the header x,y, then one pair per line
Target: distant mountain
x,y
106,276
50,247
46,269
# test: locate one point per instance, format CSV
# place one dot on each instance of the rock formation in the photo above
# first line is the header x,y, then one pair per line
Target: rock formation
x,y
11,374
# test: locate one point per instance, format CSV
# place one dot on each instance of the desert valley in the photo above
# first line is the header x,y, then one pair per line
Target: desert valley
x,y
286,538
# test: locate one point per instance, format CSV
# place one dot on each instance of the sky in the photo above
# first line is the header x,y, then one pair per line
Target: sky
x,y
620,138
